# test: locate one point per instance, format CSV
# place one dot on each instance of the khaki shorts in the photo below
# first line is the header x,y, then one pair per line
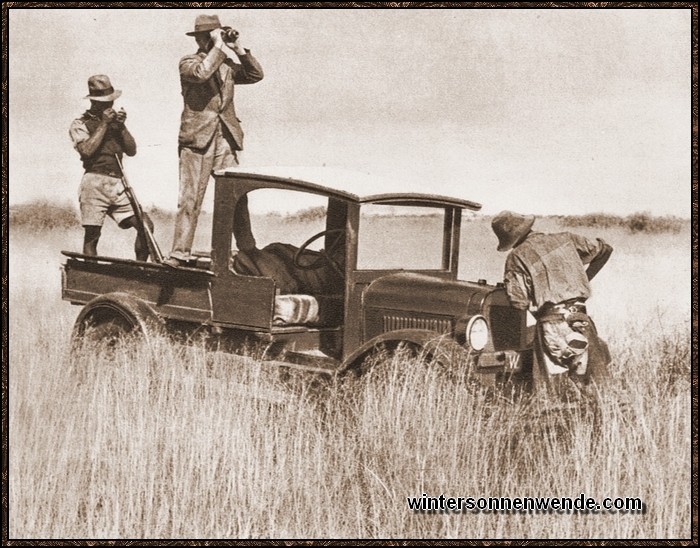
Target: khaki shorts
x,y
99,196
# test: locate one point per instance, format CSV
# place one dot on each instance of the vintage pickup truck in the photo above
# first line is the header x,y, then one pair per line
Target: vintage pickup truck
x,y
385,275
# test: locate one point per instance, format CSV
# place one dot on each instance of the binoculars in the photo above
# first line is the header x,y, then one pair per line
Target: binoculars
x,y
229,34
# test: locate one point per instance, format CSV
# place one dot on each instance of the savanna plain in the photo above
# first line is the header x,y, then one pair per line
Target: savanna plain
x,y
170,441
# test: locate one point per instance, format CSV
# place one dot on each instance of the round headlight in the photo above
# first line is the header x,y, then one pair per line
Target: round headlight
x,y
477,332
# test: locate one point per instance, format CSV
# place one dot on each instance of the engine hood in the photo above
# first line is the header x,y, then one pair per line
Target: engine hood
x,y
410,292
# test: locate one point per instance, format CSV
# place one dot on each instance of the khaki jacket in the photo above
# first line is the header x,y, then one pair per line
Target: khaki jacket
x,y
208,81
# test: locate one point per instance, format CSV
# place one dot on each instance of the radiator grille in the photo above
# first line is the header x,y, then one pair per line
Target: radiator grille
x,y
506,327
394,323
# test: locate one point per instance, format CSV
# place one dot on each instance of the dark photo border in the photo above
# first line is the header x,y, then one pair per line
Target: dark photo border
x,y
693,135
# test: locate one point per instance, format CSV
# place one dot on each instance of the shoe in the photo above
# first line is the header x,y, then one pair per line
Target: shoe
x,y
174,262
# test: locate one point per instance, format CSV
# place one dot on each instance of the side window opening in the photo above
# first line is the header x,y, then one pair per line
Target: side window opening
x,y
282,223
286,216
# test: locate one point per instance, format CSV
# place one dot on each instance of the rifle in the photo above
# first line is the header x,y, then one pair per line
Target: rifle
x,y
153,249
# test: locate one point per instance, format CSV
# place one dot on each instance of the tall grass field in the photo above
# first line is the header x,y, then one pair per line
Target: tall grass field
x,y
174,442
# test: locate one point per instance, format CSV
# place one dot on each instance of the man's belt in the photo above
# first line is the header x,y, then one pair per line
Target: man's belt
x,y
561,311
107,173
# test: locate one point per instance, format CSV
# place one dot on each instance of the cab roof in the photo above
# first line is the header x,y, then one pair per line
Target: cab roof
x,y
348,185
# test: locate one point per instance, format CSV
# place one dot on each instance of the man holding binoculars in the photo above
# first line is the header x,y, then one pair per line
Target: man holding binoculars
x,y
210,132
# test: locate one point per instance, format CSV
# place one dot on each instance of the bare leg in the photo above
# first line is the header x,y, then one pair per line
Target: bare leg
x,y
92,236
241,226
140,244
225,156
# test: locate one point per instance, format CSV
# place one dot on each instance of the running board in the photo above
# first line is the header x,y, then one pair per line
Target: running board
x,y
306,368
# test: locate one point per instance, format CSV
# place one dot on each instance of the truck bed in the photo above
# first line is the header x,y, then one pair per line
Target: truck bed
x,y
176,293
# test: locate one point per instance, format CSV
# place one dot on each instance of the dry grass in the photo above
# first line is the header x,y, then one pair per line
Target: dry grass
x,y
172,442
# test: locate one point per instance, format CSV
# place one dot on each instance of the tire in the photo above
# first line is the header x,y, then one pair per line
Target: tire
x,y
108,331
112,319
380,354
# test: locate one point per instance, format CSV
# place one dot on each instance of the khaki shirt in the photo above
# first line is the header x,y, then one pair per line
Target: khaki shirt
x,y
549,268
102,160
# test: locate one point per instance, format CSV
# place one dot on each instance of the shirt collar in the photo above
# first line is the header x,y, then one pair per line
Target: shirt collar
x,y
526,238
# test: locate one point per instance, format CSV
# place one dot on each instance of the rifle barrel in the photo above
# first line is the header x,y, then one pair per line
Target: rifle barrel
x,y
153,249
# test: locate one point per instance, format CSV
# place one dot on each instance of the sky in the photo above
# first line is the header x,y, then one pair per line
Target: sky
x,y
545,111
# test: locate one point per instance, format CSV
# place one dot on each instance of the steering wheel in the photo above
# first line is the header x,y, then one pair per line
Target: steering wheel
x,y
325,256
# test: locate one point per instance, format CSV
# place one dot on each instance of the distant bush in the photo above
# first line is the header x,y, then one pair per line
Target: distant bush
x,y
643,222
308,215
43,215
160,216
47,215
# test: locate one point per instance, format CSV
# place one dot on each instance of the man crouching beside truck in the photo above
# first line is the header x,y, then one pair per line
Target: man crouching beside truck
x,y
549,274
98,135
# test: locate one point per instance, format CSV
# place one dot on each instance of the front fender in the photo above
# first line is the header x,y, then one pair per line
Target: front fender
x,y
438,346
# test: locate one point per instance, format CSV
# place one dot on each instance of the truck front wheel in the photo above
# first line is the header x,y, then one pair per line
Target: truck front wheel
x,y
382,353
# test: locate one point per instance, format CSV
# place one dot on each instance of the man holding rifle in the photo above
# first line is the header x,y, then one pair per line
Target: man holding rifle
x,y
101,138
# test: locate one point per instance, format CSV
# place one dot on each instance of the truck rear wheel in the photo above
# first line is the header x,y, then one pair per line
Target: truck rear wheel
x,y
107,331
110,319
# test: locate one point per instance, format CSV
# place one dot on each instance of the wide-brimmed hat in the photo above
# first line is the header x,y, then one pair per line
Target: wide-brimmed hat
x,y
205,23
100,89
510,228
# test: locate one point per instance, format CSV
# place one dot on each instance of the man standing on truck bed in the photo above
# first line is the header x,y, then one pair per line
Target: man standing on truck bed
x,y
98,135
210,132
550,274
